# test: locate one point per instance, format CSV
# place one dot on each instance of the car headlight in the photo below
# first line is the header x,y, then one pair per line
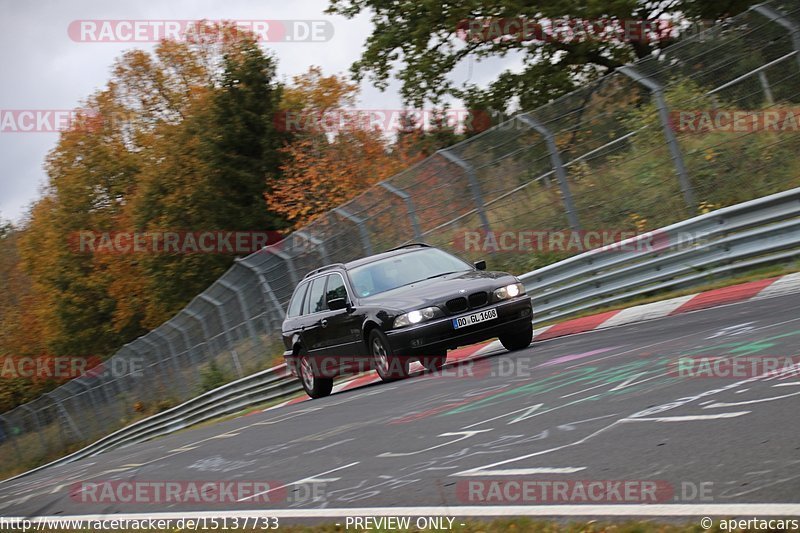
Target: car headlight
x,y
415,317
509,291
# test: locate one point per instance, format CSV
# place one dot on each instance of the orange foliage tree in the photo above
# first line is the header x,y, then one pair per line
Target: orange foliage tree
x,y
324,167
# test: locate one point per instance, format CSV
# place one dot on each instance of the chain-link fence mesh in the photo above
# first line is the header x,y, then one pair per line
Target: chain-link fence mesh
x,y
615,154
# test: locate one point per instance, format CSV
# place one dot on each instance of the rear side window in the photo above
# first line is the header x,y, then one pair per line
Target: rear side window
x,y
335,288
315,301
297,300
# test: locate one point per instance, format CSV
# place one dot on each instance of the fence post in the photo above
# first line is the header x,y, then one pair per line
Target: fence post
x,y
129,383
90,403
412,211
362,228
157,353
8,433
226,330
780,18
237,291
266,290
32,411
288,258
199,319
762,78
474,186
185,336
174,357
63,414
672,142
323,252
558,168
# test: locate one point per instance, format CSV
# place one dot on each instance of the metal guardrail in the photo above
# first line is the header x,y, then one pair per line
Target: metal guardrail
x,y
737,237
255,389
733,238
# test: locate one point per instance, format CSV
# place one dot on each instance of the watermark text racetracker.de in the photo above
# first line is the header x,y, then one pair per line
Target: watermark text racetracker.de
x,y
536,240
58,120
153,30
581,491
772,120
525,240
200,492
62,368
171,242
383,120
565,29
735,367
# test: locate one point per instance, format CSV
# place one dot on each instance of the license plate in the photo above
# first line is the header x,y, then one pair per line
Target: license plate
x,y
475,318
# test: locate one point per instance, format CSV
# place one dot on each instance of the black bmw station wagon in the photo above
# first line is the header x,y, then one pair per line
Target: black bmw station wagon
x,y
384,311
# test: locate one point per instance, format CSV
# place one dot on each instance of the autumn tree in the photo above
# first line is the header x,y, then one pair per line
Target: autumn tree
x,y
418,139
424,42
209,174
184,141
333,154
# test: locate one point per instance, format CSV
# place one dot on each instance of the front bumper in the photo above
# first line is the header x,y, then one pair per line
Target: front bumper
x,y
437,335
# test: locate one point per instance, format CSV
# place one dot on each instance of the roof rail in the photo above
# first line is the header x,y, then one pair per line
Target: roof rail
x,y
326,267
409,245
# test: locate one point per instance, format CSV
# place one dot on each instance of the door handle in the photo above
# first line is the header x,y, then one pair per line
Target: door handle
x,y
324,322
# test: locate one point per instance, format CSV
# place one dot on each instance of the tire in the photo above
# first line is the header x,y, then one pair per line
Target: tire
x,y
518,340
432,363
389,366
315,386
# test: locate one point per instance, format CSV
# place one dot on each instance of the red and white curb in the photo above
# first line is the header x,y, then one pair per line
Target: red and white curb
x,y
461,354
754,290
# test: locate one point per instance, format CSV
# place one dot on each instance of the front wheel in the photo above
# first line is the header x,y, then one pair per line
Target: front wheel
x,y
390,367
518,340
315,386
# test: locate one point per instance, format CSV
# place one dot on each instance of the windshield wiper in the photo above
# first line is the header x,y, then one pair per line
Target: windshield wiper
x,y
444,274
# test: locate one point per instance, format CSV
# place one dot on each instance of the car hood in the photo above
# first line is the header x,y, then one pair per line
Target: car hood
x,y
437,291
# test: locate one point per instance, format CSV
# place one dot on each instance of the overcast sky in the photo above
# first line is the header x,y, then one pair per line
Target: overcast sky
x,y
44,69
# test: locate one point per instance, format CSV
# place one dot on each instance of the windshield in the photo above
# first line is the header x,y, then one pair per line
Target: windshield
x,y
387,274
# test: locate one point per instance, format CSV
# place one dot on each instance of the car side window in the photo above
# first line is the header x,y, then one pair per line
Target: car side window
x,y
315,301
297,301
335,288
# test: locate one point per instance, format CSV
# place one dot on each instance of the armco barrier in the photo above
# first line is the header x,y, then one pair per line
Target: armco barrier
x,y
733,238
258,388
741,236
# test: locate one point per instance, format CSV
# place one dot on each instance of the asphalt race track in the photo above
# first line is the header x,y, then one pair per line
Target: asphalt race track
x,y
605,405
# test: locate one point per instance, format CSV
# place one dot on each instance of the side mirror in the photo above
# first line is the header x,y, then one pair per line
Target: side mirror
x,y
334,304
480,265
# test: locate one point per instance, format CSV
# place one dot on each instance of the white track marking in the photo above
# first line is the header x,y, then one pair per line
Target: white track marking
x,y
527,471
464,435
527,413
687,418
315,477
225,436
748,402
328,446
646,312
732,331
495,418
472,471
